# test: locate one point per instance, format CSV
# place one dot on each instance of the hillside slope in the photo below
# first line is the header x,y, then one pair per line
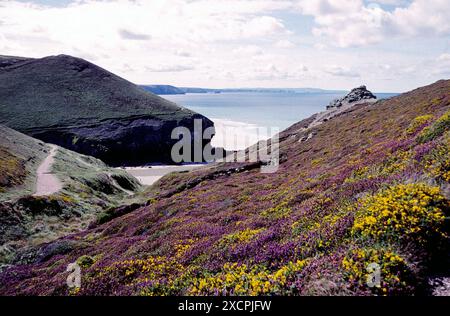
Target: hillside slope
x,y
369,186
89,187
75,104
20,156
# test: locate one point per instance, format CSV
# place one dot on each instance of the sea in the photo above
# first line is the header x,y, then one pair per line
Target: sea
x,y
243,118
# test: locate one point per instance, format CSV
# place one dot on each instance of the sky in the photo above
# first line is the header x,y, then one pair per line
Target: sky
x,y
388,45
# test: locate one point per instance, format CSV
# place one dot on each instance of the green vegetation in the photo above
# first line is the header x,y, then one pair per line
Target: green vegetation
x,y
77,105
85,261
20,156
361,194
436,129
12,170
87,90
415,212
89,188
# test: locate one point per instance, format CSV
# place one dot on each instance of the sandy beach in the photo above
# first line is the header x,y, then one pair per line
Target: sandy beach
x,y
151,174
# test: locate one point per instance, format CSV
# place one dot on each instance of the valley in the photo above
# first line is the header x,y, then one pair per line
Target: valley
x,y
366,183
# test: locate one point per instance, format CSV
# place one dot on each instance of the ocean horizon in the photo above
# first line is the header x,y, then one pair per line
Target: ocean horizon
x,y
243,118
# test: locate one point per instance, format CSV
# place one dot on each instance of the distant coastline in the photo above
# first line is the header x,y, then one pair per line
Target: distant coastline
x,y
243,114
172,90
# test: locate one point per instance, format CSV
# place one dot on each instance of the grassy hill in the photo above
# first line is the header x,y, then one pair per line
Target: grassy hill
x,y
89,188
80,106
20,156
370,186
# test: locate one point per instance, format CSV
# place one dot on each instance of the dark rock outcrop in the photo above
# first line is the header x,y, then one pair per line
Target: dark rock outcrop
x,y
336,107
70,102
355,95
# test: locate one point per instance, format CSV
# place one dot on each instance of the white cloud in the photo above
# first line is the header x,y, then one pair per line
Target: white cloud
x,y
390,2
320,46
442,65
262,26
345,22
135,37
129,35
182,53
284,44
236,43
279,72
442,72
339,71
89,24
248,50
169,68
444,57
423,18
349,23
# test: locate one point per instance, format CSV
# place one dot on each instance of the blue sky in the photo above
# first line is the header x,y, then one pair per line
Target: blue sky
x,y
389,45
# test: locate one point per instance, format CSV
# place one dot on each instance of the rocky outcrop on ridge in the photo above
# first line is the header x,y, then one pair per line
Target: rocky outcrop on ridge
x,y
356,95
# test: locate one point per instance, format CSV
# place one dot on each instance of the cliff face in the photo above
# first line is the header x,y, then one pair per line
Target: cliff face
x,y
78,105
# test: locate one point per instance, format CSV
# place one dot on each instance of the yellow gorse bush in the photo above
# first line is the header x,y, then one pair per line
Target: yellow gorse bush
x,y
394,271
281,210
242,236
143,270
414,211
417,122
239,279
394,163
182,247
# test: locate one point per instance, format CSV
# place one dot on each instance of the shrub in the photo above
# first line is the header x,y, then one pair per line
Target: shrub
x,y
104,217
281,210
438,128
114,212
150,276
52,205
85,261
412,211
417,123
437,163
395,276
12,169
239,279
241,236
